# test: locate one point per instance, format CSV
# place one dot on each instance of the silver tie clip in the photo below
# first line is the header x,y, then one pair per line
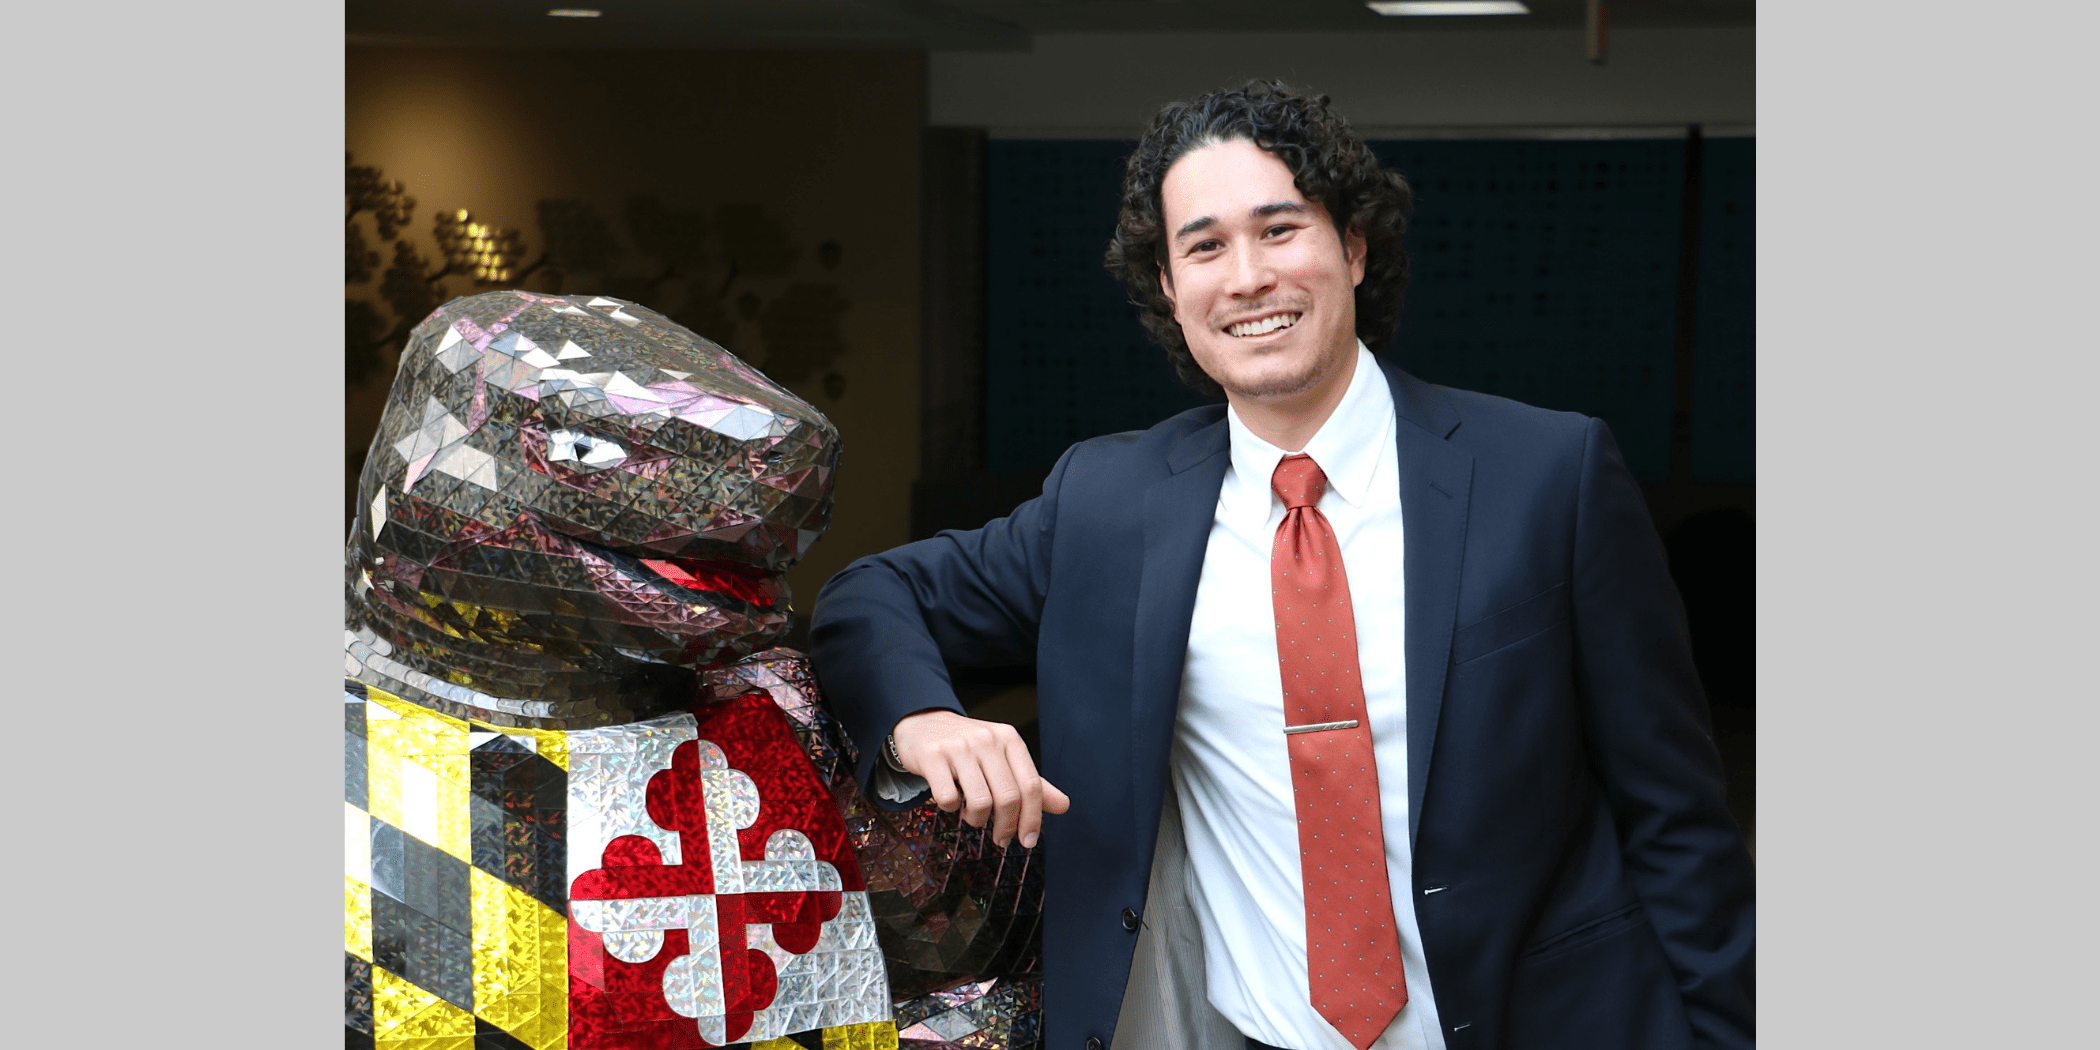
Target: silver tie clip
x,y
1318,726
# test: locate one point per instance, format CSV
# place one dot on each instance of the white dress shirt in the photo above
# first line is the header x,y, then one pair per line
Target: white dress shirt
x,y
1230,766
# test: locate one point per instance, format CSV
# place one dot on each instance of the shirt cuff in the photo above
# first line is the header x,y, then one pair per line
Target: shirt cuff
x,y
893,786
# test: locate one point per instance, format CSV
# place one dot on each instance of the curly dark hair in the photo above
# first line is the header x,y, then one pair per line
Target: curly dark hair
x,y
1328,164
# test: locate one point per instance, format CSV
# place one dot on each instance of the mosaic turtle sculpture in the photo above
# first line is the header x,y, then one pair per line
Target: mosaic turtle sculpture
x,y
589,803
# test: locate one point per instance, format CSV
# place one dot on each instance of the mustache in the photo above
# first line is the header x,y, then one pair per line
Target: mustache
x,y
1294,303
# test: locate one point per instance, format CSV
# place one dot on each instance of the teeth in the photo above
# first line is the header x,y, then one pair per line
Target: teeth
x,y
1263,326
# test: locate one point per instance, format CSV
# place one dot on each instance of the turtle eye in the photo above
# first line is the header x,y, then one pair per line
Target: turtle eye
x,y
586,450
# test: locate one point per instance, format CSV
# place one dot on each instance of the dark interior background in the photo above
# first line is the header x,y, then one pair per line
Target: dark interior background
x,y
898,211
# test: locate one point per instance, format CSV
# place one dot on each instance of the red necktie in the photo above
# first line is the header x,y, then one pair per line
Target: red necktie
x,y
1352,947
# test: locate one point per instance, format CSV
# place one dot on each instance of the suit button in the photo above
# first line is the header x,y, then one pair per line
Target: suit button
x,y
1130,920
1093,1043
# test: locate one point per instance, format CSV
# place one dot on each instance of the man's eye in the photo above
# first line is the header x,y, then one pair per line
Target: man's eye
x,y
1206,246
1279,230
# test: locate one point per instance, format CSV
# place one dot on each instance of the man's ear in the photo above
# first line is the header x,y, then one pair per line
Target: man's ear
x,y
1355,249
1166,284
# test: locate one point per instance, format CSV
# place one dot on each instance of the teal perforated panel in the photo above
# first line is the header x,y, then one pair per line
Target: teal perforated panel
x,y
1724,381
1543,271
1065,357
1546,272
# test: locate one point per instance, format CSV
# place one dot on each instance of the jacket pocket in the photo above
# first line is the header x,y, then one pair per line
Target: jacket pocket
x,y
1603,985
1594,930
1531,616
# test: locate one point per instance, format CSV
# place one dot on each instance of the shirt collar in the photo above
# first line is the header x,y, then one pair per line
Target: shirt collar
x,y
1346,446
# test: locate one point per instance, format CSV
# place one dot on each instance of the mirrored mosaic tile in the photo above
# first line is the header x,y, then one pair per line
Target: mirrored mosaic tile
x,y
635,946
948,907
776,907
565,541
574,518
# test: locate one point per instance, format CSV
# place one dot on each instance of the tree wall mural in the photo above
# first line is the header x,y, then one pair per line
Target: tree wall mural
x,y
731,271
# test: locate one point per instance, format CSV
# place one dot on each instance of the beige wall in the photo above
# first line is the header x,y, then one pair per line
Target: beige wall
x,y
826,144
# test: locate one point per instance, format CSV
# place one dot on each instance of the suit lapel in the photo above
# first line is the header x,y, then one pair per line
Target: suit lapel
x,y
1178,513
1436,484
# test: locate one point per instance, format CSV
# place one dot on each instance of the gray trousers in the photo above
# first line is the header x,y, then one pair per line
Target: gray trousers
x,y
1165,1006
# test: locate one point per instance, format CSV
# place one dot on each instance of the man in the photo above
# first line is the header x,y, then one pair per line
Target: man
x,y
1437,621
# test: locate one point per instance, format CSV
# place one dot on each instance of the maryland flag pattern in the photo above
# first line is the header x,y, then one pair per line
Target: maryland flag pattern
x,y
682,882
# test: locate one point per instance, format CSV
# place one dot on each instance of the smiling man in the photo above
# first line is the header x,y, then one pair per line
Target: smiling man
x,y
1368,703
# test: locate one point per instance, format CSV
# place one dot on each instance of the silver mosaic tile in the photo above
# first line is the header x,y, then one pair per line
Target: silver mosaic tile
x,y
489,550
635,946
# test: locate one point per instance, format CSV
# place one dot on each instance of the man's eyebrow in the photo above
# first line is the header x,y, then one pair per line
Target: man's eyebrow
x,y
1194,225
1262,212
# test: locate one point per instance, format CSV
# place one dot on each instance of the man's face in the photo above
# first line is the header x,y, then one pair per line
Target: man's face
x,y
1263,284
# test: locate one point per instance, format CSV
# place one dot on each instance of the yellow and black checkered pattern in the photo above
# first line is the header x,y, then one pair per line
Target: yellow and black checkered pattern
x,y
448,926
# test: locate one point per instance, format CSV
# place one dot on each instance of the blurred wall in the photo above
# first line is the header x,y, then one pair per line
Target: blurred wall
x,y
768,200
1108,85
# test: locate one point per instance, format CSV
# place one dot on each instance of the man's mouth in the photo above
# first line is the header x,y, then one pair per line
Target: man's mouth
x,y
1264,325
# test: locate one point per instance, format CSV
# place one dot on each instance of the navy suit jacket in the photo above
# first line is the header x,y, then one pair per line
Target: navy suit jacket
x,y
1578,880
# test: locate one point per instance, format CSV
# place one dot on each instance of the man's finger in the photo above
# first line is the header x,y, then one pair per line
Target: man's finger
x,y
1029,785
1000,776
977,795
941,783
1054,800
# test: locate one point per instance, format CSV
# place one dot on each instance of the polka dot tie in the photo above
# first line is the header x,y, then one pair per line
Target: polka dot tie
x,y
1352,946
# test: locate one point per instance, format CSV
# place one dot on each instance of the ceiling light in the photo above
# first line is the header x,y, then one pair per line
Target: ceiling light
x,y
1448,7
574,12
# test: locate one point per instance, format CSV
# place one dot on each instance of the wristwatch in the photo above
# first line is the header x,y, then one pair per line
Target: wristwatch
x,y
889,754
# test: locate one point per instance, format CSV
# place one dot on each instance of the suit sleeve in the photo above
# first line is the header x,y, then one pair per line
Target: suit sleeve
x,y
1652,744
886,629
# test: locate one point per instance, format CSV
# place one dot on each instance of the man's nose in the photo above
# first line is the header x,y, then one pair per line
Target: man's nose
x,y
1251,273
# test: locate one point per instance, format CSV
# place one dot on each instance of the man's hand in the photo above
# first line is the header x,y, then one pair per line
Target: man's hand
x,y
982,768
